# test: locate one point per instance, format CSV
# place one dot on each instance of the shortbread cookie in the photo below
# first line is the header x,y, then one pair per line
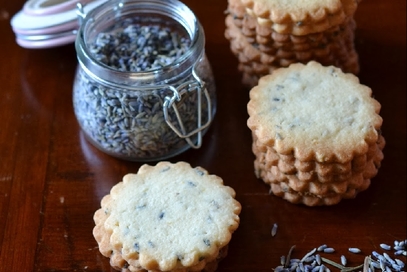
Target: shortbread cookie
x,y
168,217
318,185
335,47
318,112
253,66
318,193
316,171
316,133
265,34
236,9
273,167
254,32
328,46
300,17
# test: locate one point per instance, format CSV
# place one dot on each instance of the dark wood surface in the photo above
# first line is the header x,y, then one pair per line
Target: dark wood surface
x,y
52,179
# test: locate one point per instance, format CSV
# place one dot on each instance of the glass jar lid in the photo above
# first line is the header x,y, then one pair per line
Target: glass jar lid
x,y
48,23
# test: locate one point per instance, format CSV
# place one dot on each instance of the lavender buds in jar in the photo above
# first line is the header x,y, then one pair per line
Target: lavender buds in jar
x,y
144,89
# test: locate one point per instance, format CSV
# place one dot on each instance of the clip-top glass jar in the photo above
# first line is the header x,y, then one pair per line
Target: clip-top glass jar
x,y
144,89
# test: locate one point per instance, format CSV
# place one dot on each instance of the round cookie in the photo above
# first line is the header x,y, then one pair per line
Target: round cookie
x,y
168,217
316,133
316,112
334,47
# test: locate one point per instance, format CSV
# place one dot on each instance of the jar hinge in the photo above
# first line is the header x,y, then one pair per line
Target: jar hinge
x,y
192,85
80,12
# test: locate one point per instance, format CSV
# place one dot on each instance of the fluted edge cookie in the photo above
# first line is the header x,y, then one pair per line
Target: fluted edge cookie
x,y
300,17
314,112
334,47
167,217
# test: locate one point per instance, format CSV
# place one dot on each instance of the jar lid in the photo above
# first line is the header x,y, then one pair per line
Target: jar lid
x,y
43,7
46,41
48,23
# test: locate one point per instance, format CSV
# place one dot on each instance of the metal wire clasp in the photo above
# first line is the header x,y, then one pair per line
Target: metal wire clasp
x,y
90,5
80,12
198,86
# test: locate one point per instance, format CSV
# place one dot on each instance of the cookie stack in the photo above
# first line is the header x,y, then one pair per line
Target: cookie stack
x,y
167,217
269,34
316,133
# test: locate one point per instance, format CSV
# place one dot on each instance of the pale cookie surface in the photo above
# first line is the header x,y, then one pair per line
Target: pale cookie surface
x,y
314,112
170,217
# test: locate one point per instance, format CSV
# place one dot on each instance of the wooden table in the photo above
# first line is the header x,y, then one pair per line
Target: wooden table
x,y
52,179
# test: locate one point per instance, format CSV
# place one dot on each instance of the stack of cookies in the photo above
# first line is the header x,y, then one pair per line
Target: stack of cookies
x,y
316,133
269,34
167,217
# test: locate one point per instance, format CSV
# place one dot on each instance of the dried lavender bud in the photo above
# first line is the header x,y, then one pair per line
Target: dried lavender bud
x,y
135,47
343,260
398,247
322,247
399,262
383,262
128,122
354,250
385,246
318,259
308,254
329,250
282,260
274,229
388,258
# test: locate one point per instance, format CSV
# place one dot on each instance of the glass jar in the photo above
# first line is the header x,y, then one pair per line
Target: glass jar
x,y
144,88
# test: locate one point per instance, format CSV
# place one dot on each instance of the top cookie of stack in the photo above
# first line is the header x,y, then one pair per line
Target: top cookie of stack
x,y
269,34
167,217
316,133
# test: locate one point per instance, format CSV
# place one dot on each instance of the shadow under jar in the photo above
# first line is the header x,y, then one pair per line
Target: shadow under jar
x,y
143,89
